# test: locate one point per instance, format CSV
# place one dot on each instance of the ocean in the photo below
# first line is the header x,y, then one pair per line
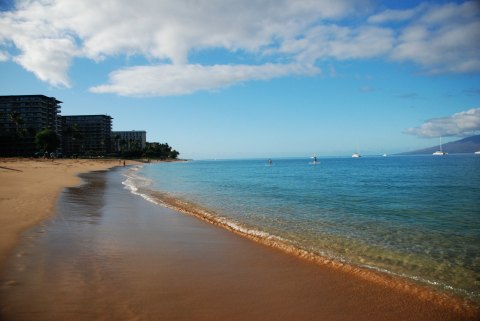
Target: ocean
x,y
414,217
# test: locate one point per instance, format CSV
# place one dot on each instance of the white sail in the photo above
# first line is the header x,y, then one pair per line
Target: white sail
x,y
440,152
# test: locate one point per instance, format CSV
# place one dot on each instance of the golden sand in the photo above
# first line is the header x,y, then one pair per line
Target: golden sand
x,y
29,189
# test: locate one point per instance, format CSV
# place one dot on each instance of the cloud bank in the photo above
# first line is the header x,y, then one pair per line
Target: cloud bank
x,y
169,80
465,123
45,37
442,38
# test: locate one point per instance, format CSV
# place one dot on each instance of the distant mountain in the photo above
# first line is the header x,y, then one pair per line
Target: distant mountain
x,y
466,145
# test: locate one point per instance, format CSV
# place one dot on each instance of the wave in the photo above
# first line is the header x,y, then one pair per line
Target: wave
x,y
422,288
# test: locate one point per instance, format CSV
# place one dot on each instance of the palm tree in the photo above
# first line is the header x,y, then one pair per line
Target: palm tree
x,y
77,139
17,119
117,139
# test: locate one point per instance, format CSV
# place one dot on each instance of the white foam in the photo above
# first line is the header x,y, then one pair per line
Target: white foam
x,y
134,182
139,185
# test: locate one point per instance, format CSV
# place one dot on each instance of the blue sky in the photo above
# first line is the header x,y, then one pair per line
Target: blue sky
x,y
235,79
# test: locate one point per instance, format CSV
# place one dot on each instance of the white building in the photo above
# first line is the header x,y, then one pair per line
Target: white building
x,y
124,140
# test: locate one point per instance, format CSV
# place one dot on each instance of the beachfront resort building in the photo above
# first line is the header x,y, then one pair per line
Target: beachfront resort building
x,y
22,117
129,140
86,135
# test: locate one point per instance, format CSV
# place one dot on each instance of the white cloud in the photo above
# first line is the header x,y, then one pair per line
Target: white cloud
x,y
44,49
4,56
452,12
47,35
167,80
464,123
170,29
50,33
395,15
444,39
341,43
48,59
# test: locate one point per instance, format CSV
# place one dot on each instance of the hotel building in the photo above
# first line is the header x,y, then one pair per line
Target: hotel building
x,y
21,118
128,140
86,135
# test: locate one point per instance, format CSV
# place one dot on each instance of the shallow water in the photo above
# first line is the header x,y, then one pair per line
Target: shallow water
x,y
110,255
416,216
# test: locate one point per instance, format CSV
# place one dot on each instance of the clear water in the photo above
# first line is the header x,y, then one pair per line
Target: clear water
x,y
413,216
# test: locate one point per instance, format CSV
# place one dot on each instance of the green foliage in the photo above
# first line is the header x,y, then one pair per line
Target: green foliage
x,y
47,140
16,118
160,151
152,150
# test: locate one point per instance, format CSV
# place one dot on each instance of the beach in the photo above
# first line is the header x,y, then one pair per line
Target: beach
x,y
29,190
96,251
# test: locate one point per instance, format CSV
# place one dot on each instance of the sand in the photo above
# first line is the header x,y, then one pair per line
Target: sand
x,y
29,190
129,259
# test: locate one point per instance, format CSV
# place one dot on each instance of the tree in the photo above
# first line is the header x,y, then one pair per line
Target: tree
x,y
73,139
173,154
16,118
47,140
160,151
117,139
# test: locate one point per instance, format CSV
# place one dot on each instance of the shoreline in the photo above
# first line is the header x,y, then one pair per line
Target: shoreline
x,y
394,282
328,269
30,189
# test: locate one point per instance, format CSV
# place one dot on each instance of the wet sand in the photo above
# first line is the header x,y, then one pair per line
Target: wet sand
x,y
29,189
110,255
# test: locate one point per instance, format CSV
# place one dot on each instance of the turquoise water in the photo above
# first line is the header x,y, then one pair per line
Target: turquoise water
x,y
412,216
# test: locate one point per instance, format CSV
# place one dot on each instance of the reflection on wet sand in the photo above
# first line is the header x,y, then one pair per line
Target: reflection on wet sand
x,y
110,255
85,202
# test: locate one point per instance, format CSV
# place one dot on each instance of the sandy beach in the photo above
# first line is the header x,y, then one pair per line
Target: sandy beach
x,y
108,254
30,188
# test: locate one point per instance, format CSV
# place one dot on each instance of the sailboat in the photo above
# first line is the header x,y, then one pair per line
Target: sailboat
x,y
356,154
440,152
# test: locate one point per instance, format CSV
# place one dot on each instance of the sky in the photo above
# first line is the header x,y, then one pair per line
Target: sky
x,y
254,79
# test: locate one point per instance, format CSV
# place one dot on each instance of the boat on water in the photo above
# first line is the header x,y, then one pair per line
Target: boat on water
x,y
356,155
440,152
315,160
477,152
